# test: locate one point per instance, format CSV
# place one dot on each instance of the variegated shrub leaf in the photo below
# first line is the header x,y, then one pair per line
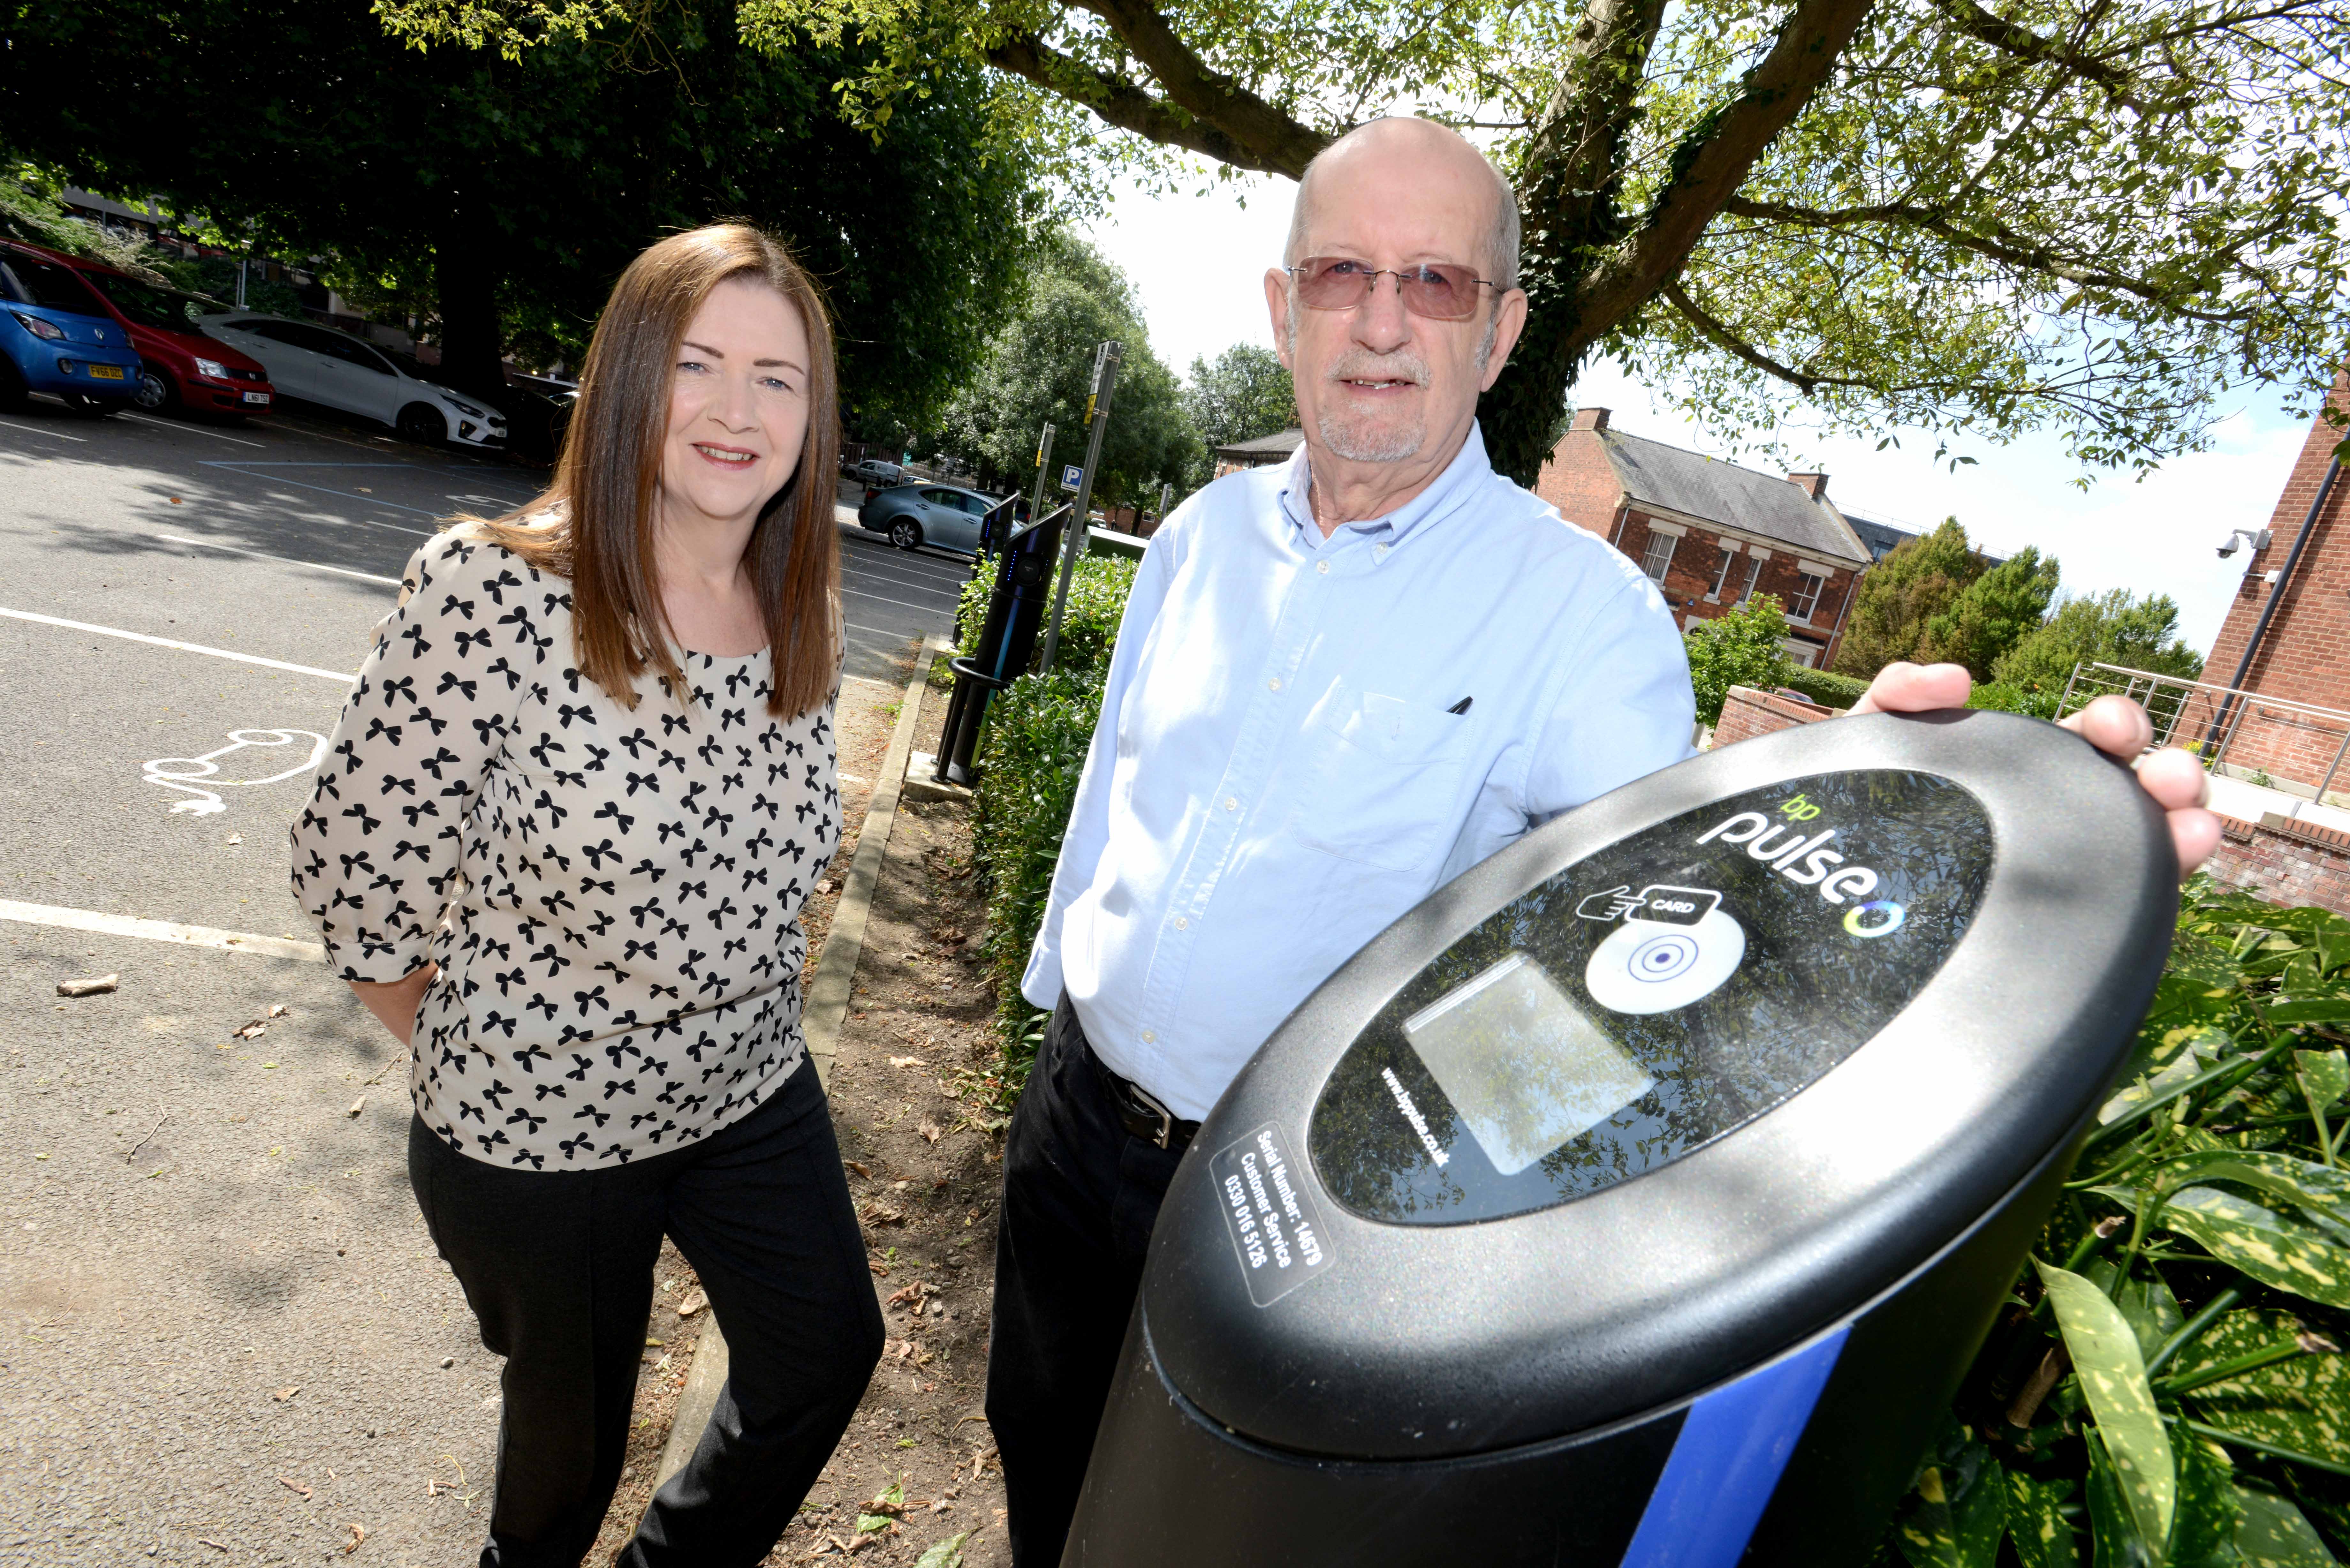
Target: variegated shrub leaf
x,y
2303,1403
2203,1534
2114,1539
2036,1525
2273,1533
2287,1253
1957,1514
2324,1076
2107,1359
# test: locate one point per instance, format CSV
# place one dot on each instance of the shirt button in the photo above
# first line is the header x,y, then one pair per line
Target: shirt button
x,y
1380,550
1232,802
1149,1037
1181,924
1273,684
1323,567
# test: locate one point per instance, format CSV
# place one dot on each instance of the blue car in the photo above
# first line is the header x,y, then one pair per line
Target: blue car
x,y
50,341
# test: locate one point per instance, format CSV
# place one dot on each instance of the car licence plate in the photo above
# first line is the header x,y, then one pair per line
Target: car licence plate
x,y
105,373
256,397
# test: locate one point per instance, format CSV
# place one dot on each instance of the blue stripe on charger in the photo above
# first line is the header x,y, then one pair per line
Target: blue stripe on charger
x,y
1725,1464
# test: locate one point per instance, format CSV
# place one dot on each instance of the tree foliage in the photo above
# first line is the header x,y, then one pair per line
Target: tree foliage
x,y
2065,212
506,196
1901,594
1244,394
2112,628
1038,365
1745,647
1991,614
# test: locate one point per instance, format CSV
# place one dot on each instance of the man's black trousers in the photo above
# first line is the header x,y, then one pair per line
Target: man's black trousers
x,y
558,1267
1081,1196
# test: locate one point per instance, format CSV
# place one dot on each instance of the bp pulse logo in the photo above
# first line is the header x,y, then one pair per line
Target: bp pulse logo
x,y
1803,856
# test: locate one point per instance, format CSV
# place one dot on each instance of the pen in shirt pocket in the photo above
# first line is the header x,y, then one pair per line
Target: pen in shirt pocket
x,y
1461,706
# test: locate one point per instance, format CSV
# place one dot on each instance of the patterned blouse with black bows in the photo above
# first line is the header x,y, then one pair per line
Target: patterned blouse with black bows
x,y
612,896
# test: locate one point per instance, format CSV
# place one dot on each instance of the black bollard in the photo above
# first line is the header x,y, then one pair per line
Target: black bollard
x,y
1023,582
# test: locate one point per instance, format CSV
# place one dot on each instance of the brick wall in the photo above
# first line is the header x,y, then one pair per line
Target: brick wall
x,y
1577,477
2284,862
2305,656
1746,714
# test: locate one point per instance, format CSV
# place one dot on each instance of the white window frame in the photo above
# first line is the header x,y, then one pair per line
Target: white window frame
x,y
1807,598
1655,565
1753,575
1721,573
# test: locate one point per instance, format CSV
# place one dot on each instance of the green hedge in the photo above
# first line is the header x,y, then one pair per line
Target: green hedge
x,y
1030,756
1826,689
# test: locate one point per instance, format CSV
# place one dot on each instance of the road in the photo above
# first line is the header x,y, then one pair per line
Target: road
x,y
223,1338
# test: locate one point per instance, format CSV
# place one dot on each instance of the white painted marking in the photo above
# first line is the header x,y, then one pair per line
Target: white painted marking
x,y
245,468
160,932
205,767
282,560
185,430
901,604
182,647
36,429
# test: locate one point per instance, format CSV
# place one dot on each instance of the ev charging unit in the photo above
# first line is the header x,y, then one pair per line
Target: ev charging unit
x,y
1641,1197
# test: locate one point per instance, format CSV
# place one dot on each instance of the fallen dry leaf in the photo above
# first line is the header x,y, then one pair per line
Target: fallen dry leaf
x,y
283,1395
860,1170
98,987
357,1107
907,1062
358,1533
292,1485
277,1010
251,1031
693,1303
880,1213
928,1131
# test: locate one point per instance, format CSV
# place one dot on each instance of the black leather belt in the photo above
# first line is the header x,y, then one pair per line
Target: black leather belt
x,y
1141,1113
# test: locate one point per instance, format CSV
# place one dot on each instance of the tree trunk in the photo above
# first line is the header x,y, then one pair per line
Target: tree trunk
x,y
465,275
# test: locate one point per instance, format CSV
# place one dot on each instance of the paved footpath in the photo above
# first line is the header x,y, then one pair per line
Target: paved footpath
x,y
223,1338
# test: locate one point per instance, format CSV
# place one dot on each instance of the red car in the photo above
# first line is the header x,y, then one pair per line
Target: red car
x,y
178,364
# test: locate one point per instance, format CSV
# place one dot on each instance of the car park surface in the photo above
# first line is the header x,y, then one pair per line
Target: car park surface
x,y
229,1339
339,371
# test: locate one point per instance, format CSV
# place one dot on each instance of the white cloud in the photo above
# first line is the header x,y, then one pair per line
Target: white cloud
x,y
1197,262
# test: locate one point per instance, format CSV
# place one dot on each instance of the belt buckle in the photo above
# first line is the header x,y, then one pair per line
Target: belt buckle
x,y
1150,1108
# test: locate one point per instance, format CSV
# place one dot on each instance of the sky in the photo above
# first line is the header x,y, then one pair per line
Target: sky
x,y
1197,262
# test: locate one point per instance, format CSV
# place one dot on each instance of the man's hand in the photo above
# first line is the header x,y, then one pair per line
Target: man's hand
x,y
2115,725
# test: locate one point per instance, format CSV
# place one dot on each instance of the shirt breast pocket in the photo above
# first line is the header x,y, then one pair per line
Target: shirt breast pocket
x,y
1383,778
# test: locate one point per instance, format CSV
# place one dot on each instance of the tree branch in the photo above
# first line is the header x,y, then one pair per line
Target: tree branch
x,y
2003,248
1712,161
1115,100
2026,45
1721,337
1254,133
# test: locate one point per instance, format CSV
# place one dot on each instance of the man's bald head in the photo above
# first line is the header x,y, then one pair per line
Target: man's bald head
x,y
1375,151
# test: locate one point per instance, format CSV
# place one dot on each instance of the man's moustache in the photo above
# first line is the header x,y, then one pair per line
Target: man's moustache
x,y
1366,369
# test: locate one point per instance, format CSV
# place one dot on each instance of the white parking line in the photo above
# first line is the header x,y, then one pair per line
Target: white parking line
x,y
246,468
182,647
858,571
283,560
901,604
160,932
186,430
36,429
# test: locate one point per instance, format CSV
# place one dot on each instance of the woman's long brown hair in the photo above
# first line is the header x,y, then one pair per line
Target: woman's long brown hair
x,y
595,523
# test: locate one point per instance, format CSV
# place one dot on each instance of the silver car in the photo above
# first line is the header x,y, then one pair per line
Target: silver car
x,y
923,514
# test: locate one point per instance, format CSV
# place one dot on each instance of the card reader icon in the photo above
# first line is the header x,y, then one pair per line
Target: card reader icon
x,y
1658,902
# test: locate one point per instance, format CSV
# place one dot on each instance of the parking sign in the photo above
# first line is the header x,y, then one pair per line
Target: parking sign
x,y
1070,475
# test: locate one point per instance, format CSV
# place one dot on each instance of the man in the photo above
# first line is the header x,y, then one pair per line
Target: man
x,y
1337,685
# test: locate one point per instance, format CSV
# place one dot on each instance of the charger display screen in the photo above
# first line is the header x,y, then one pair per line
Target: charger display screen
x,y
1652,997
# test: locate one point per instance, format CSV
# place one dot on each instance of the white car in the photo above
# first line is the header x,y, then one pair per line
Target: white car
x,y
333,368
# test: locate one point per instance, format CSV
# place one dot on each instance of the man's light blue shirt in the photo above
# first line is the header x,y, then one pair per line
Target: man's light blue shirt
x,y
1278,773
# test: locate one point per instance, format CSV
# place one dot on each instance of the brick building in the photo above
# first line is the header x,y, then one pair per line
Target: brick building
x,y
1711,534
2303,652
1262,453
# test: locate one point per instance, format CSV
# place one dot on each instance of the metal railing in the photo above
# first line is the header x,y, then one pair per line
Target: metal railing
x,y
2205,717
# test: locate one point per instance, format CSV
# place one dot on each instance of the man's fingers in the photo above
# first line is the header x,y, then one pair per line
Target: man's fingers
x,y
2196,833
2115,725
1905,688
2174,779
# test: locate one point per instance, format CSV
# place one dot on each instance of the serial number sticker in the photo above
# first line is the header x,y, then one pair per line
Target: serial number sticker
x,y
1275,1227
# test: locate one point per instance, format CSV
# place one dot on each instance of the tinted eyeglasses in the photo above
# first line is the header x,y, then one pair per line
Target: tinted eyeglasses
x,y
1440,291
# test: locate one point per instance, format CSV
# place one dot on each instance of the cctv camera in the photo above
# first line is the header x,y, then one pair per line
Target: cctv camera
x,y
2228,549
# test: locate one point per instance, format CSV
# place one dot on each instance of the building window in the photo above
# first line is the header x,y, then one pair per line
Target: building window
x,y
1754,571
1658,556
1721,573
1807,597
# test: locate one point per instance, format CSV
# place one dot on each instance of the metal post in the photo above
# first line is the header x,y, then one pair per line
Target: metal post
x,y
1096,419
2330,772
1044,468
1165,501
2070,681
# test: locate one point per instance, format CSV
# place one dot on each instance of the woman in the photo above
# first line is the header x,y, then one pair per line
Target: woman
x,y
560,846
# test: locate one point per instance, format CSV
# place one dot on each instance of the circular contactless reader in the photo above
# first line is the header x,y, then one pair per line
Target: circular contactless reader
x,y
1666,1166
